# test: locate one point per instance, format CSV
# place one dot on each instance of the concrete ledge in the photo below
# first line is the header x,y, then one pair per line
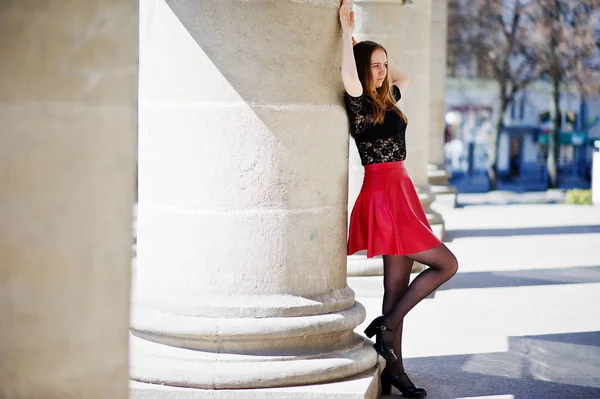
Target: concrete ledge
x,y
438,229
233,335
363,386
444,200
367,286
159,364
438,177
360,265
438,174
434,217
426,197
443,189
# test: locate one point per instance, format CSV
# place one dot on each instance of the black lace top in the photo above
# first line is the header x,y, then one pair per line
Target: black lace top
x,y
376,143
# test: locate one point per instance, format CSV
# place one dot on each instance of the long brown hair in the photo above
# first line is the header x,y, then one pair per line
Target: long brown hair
x,y
382,98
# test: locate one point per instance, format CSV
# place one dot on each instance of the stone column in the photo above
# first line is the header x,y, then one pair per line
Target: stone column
x,y
68,77
376,20
438,175
240,277
416,62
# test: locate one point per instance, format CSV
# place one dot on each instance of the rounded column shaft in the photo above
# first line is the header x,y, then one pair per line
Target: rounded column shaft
x,y
417,64
438,175
416,102
439,21
241,217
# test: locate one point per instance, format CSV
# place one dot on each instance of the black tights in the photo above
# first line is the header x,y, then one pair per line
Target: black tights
x,y
399,297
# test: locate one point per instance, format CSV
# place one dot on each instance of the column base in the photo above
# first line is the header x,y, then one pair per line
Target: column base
x,y
443,190
363,386
438,175
159,364
360,265
445,194
445,200
426,197
248,353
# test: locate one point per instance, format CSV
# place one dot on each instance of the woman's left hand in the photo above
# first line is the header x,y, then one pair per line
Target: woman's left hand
x,y
346,18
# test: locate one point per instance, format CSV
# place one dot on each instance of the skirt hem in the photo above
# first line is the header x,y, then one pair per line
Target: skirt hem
x,y
387,217
372,255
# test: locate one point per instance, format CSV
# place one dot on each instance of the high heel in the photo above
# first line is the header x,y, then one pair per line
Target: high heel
x,y
407,391
377,327
386,385
373,327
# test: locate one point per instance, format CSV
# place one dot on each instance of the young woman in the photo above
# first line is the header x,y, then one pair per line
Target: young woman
x,y
387,218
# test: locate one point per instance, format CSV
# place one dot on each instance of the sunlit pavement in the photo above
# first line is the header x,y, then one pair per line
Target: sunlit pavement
x,y
521,319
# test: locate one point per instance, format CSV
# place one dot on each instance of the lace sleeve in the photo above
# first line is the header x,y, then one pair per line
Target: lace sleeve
x,y
358,109
396,93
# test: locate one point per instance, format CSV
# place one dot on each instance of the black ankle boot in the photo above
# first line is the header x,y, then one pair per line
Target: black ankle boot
x,y
377,327
408,391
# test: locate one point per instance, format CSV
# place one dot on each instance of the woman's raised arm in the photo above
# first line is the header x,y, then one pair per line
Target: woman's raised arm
x,y
398,78
349,74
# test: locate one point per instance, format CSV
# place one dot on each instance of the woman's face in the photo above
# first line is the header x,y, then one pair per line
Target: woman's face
x,y
379,65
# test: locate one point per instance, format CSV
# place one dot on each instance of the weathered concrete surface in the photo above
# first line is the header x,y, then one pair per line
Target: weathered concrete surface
x,y
241,266
68,77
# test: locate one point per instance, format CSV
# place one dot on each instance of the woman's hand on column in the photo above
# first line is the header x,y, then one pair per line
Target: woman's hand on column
x,y
349,73
346,18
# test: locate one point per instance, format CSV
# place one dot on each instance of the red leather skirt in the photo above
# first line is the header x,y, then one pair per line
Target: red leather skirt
x,y
387,218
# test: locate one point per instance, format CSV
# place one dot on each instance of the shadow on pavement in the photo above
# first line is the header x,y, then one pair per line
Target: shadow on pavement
x,y
373,287
525,231
556,366
519,278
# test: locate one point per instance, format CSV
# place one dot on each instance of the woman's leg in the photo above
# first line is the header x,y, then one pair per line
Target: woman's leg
x,y
442,266
396,275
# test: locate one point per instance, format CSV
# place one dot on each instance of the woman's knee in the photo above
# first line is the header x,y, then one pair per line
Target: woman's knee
x,y
452,265
440,259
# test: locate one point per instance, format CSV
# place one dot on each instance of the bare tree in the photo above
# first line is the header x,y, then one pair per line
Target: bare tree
x,y
565,45
488,35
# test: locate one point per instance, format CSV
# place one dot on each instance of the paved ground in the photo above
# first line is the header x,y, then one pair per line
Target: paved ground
x,y
521,319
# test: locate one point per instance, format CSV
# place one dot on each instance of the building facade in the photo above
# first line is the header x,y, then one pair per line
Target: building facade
x,y
472,109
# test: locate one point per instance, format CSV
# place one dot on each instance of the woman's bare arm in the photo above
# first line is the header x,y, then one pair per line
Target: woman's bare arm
x,y
398,78
349,73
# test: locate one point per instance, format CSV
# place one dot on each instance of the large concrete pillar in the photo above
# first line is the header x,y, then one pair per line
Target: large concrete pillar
x,y
68,77
437,173
240,277
416,62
